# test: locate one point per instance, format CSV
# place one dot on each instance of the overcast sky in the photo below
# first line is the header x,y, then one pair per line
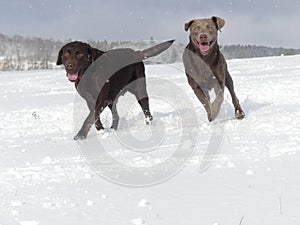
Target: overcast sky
x,y
260,22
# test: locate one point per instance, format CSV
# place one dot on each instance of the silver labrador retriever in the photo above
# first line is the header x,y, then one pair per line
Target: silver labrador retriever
x,y
206,68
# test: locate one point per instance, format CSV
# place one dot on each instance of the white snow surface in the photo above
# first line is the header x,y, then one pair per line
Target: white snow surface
x,y
254,180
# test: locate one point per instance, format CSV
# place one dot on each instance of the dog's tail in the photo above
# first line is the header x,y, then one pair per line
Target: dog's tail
x,y
155,50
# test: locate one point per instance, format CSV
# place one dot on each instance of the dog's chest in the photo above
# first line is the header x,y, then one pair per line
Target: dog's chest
x,y
198,69
89,88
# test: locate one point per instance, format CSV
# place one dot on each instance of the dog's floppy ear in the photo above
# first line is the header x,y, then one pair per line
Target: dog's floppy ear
x,y
219,22
187,25
94,53
59,58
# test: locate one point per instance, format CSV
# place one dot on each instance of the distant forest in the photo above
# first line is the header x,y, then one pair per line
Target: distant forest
x,y
21,53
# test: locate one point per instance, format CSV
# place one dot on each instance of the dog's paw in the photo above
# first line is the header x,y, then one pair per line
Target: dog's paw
x,y
209,116
215,109
239,114
213,116
114,127
149,120
99,125
100,132
79,137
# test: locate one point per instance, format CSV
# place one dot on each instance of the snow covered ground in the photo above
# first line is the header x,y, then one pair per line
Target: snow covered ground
x,y
253,179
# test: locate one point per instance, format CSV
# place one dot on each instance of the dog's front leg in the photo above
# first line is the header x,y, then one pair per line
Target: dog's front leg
x,y
216,105
202,96
239,113
89,121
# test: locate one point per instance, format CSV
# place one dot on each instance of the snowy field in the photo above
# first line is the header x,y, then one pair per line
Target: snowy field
x,y
253,178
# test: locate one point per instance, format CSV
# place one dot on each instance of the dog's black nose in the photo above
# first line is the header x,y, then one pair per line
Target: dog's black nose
x,y
69,66
203,37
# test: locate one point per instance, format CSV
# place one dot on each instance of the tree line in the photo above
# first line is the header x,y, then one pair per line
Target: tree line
x,y
23,53
252,51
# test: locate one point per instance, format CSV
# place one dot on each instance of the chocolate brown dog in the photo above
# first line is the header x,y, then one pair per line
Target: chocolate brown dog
x,y
205,66
101,77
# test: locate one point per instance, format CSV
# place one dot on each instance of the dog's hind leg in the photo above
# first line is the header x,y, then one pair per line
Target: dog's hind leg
x,y
141,95
102,102
144,103
98,123
140,92
115,115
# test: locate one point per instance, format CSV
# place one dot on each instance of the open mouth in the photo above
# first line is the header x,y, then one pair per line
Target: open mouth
x,y
204,46
73,77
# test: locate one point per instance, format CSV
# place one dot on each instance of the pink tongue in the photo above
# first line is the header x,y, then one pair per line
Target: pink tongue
x,y
204,48
72,77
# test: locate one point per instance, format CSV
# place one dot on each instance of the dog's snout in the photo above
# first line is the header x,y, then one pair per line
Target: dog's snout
x,y
69,66
203,37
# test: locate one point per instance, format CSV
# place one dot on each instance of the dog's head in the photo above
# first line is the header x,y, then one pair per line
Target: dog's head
x,y
204,32
76,57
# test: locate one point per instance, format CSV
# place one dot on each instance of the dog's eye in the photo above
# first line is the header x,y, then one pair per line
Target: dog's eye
x,y
79,55
210,27
67,54
195,29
